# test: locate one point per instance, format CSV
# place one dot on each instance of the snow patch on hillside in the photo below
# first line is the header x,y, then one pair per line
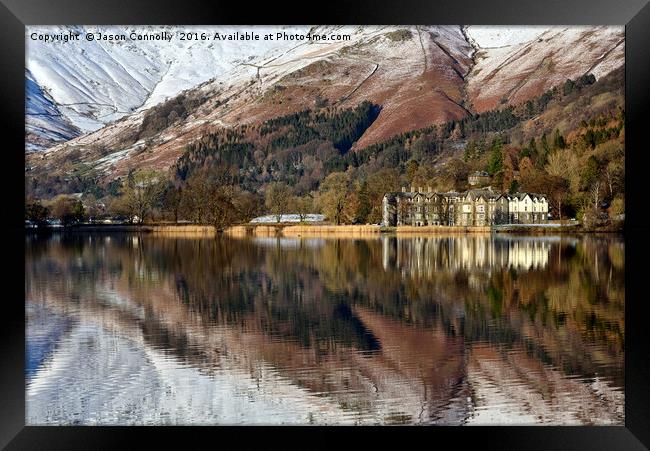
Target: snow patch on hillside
x,y
44,123
490,36
513,64
97,82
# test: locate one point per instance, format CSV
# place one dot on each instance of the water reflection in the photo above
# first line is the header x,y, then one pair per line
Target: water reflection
x,y
463,329
424,255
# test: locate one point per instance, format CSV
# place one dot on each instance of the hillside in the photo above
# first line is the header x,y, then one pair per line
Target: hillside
x,y
45,125
567,143
399,106
94,83
419,75
511,73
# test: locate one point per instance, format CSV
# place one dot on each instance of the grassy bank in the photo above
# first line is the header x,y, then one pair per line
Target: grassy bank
x,y
322,230
162,229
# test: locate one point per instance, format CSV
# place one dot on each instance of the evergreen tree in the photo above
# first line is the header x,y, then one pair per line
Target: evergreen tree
x,y
544,142
495,163
542,157
364,205
470,151
558,140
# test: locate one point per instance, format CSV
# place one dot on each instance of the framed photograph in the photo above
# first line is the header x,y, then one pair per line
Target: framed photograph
x,y
382,215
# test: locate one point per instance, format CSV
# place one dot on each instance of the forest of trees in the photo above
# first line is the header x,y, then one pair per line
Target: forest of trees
x,y
307,162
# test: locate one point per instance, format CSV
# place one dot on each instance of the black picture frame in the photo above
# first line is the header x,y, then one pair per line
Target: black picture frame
x,y
634,14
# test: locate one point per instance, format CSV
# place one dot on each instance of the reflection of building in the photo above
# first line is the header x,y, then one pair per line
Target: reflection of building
x,y
425,255
528,254
476,207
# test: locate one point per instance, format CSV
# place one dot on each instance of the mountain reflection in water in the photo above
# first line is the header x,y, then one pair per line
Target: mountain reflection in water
x,y
462,329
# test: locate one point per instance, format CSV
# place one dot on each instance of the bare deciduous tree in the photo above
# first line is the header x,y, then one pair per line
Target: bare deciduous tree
x,y
248,205
303,206
595,192
334,198
142,192
208,197
277,199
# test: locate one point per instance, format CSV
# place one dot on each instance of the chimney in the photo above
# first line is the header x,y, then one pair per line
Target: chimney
x,y
429,189
419,189
412,188
403,189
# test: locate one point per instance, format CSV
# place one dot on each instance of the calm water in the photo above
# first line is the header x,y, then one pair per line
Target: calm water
x,y
464,329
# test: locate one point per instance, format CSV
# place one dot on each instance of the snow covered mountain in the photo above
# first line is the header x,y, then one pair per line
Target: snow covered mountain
x,y
93,83
45,124
515,64
420,75
416,73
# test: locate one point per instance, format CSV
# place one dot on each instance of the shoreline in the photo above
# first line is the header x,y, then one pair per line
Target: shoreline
x,y
293,230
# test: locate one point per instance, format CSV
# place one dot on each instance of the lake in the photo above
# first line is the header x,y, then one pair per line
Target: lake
x,y
467,329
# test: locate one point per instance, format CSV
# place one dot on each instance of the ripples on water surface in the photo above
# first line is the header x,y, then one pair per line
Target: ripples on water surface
x,y
464,329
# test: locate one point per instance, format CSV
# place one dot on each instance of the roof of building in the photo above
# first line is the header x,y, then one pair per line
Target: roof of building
x,y
488,193
521,196
451,194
